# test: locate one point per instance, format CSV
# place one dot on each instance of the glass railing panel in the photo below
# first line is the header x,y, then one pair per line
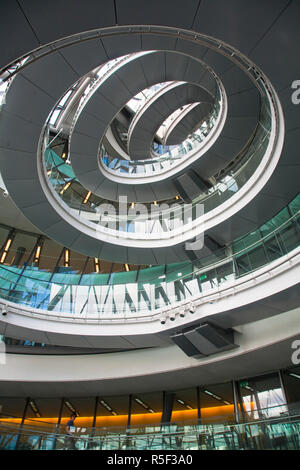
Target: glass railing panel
x,y
277,430
94,279
178,271
208,280
212,201
251,238
258,257
8,441
66,278
123,278
225,273
10,275
47,442
71,192
294,205
289,237
273,247
243,265
238,245
276,221
151,275
5,284
149,289
36,273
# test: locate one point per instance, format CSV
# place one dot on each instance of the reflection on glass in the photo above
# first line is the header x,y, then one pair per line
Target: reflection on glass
x,y
139,293
70,191
263,397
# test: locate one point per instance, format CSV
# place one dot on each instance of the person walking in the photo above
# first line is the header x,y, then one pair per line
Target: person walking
x,y
70,438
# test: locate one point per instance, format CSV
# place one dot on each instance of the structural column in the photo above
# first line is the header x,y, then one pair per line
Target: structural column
x,y
22,422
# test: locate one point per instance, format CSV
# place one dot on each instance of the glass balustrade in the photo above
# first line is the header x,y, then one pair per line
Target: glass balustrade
x,y
177,218
143,292
277,433
166,158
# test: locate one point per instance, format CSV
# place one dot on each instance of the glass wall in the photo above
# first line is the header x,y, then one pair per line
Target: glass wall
x,y
262,397
217,404
255,412
185,406
144,291
291,383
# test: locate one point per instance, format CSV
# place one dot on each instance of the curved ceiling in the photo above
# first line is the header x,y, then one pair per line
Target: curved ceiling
x,y
152,369
255,29
262,28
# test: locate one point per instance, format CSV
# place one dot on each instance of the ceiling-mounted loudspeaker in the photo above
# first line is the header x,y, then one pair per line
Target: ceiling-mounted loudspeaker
x,y
204,340
191,308
186,346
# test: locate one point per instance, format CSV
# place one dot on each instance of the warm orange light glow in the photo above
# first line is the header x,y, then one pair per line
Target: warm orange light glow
x,y
145,419
126,267
97,266
213,414
87,197
3,257
65,187
5,250
37,253
7,244
67,258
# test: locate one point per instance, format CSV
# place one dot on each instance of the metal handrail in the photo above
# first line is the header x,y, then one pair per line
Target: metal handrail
x,y
200,270
163,429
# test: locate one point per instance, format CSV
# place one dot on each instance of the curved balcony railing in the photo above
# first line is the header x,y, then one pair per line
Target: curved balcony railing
x,y
195,38
165,157
278,429
169,158
147,291
85,216
178,221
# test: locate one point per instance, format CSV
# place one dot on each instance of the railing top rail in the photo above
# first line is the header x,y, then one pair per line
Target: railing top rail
x,y
199,271
162,428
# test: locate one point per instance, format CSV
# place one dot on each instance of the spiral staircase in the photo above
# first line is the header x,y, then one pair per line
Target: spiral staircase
x,y
163,140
